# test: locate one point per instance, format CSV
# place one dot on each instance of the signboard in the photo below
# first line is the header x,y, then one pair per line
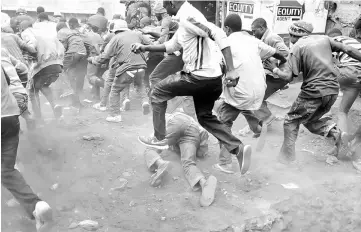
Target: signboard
x,y
246,9
285,15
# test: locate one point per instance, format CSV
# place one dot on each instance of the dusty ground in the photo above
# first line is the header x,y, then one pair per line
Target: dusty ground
x,y
328,198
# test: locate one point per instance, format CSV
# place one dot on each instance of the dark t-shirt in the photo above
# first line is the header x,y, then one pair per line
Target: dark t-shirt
x,y
312,55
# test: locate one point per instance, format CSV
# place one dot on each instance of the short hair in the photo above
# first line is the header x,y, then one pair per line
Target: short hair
x,y
40,9
234,22
43,16
73,21
334,31
146,21
60,26
260,22
101,10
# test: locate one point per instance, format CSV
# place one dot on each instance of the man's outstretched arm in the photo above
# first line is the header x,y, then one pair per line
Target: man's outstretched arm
x,y
349,50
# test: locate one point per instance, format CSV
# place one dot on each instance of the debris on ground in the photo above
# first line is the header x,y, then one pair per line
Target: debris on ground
x,y
121,186
290,186
243,132
12,203
230,229
92,137
126,174
266,223
331,160
54,187
89,225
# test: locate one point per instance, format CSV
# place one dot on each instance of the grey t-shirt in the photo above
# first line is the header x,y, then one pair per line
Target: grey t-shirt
x,y
312,55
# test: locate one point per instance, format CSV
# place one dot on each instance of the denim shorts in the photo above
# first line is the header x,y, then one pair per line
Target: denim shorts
x,y
350,77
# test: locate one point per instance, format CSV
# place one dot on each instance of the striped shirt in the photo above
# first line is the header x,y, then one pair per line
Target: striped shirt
x,y
342,57
199,39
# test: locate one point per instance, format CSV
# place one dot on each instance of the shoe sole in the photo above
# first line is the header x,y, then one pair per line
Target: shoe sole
x,y
219,168
208,192
262,138
159,147
245,159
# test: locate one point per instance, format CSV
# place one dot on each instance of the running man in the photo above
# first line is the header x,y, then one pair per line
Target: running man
x,y
201,78
312,55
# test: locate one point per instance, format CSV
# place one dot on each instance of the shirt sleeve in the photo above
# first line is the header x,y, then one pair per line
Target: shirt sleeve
x,y
146,40
173,44
279,44
207,30
24,45
294,61
108,53
19,66
164,30
265,51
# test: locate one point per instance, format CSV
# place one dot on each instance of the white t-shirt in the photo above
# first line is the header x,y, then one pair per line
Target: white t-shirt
x,y
248,53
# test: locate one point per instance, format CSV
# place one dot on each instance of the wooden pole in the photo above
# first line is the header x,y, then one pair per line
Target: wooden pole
x,y
217,13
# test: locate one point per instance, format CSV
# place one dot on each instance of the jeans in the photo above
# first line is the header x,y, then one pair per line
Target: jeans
x,y
273,85
94,75
118,85
227,114
76,72
152,63
42,83
204,92
11,178
186,136
110,75
309,112
350,84
168,66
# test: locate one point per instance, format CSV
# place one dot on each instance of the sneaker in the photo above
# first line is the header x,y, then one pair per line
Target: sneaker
x,y
117,118
146,108
156,178
58,111
126,105
226,168
208,192
43,217
154,142
99,107
244,158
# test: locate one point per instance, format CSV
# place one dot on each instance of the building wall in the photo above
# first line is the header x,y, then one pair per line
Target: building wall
x,y
344,16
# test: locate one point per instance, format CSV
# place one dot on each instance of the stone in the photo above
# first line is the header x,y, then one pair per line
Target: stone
x,y
331,160
89,225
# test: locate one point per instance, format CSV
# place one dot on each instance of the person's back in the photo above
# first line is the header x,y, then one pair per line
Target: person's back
x,y
247,61
49,49
73,40
125,56
343,58
319,72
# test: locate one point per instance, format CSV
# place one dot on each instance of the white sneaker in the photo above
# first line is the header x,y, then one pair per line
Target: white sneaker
x,y
117,118
43,217
126,105
98,107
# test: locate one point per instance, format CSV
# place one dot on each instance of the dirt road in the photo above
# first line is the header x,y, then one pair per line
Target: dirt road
x,y
323,198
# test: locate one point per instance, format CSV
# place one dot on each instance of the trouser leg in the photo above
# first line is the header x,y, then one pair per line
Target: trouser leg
x,y
11,178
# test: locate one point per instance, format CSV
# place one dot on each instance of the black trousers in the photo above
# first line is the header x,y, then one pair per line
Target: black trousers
x,y
205,92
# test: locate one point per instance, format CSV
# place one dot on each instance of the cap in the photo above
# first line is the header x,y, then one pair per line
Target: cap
x,y
300,28
120,25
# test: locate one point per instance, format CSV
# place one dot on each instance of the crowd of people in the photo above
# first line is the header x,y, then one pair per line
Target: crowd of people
x,y
181,56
